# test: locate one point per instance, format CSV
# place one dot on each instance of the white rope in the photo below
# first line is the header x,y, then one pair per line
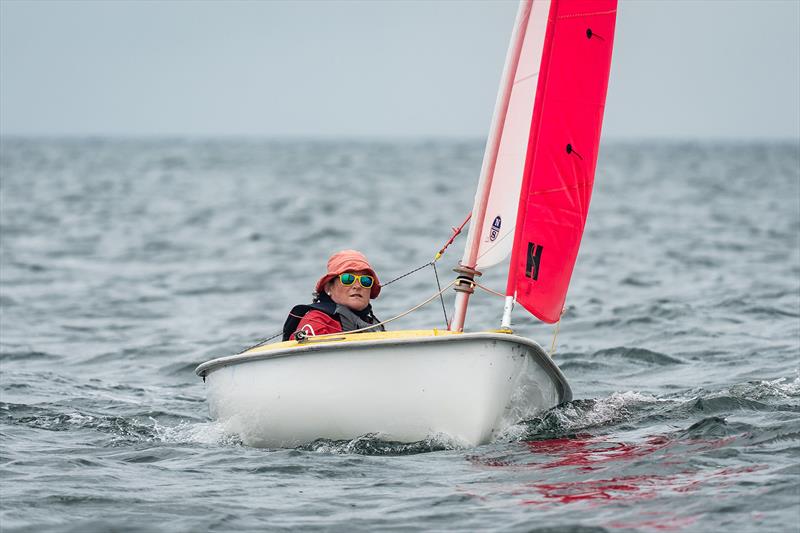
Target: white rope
x,y
555,332
555,336
487,289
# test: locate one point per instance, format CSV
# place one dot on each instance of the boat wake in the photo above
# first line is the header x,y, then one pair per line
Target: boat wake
x,y
635,409
579,416
119,430
206,433
373,444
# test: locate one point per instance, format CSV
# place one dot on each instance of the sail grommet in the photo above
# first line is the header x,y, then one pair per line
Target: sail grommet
x,y
590,34
571,150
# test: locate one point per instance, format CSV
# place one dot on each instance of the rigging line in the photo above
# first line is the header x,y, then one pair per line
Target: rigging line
x,y
441,297
487,289
260,343
555,332
406,274
555,336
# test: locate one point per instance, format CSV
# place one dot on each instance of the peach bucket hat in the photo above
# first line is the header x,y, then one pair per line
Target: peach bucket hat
x,y
349,261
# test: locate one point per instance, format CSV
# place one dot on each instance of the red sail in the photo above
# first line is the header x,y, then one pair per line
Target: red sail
x,y
562,153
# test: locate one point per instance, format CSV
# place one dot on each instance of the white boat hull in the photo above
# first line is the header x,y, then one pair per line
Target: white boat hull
x,y
468,387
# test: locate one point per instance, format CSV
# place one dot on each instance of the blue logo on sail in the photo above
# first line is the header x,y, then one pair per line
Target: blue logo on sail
x,y
495,231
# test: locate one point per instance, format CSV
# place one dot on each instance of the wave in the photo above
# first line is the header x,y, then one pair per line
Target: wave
x,y
27,355
180,368
123,430
207,433
579,416
372,444
622,410
612,357
781,388
638,355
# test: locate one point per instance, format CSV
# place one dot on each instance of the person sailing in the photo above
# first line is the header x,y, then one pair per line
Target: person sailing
x,y
341,300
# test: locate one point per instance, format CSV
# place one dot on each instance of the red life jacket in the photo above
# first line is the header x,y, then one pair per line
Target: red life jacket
x,y
348,319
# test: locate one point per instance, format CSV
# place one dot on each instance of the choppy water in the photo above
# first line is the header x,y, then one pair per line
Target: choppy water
x,y
124,264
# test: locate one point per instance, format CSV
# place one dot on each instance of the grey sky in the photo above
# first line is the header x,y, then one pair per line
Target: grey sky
x,y
681,69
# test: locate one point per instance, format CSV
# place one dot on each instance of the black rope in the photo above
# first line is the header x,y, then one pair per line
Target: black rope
x,y
261,343
406,274
439,285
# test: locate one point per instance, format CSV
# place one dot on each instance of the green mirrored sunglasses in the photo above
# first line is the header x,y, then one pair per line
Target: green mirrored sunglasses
x,y
348,278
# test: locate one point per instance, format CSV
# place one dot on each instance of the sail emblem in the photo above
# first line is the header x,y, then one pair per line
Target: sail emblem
x,y
495,231
534,260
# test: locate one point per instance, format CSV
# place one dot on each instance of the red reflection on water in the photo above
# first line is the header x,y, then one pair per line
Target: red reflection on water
x,y
642,487
568,492
588,452
586,455
639,487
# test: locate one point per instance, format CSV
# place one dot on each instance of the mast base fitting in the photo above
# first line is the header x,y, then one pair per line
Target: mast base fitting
x,y
464,284
466,271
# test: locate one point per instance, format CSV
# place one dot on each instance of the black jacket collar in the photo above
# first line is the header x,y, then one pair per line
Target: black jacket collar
x,y
364,314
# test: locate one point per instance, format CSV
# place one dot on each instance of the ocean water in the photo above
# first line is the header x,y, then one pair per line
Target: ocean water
x,y
125,263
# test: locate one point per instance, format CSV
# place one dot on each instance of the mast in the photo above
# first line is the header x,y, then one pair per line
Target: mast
x,y
466,269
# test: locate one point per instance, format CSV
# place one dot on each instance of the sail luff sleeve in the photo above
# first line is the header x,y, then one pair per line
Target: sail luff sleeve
x,y
485,182
497,226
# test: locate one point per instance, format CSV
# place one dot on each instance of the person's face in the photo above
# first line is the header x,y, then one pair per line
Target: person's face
x,y
353,296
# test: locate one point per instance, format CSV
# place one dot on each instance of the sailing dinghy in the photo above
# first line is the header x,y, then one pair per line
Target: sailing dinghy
x,y
531,204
